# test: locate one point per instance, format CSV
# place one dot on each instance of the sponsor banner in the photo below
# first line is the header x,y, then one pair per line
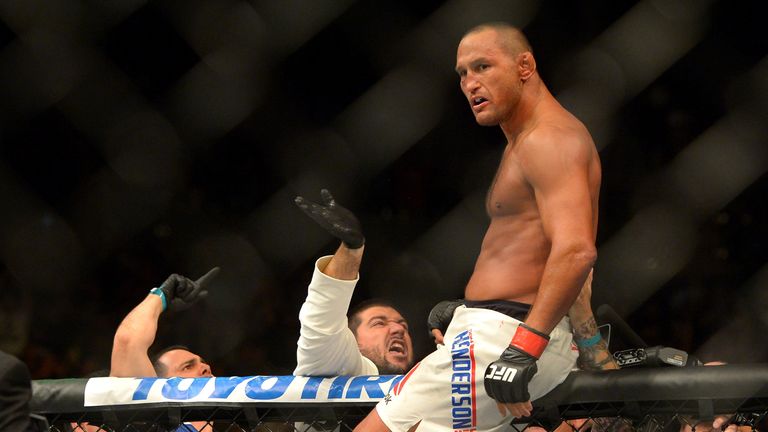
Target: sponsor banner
x,y
260,388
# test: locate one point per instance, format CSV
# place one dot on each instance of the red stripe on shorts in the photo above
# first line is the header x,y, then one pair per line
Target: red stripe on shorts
x,y
401,384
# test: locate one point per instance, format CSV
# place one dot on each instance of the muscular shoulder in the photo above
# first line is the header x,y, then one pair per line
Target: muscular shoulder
x,y
550,146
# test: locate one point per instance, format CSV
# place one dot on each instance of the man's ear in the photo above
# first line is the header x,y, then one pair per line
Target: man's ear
x,y
526,64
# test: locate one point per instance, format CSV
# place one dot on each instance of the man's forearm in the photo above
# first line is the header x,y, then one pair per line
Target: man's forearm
x,y
345,264
563,277
133,338
593,350
326,346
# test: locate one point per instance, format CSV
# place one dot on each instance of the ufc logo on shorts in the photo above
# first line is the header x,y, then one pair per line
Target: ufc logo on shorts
x,y
501,373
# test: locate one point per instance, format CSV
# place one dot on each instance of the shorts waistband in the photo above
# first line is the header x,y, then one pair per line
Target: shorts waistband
x,y
511,309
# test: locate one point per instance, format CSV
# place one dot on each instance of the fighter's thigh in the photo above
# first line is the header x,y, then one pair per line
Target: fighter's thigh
x,y
420,394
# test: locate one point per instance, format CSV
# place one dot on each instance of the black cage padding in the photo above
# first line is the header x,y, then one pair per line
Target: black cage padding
x,y
629,393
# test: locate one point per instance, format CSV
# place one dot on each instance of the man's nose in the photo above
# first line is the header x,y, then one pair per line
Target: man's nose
x,y
470,84
397,327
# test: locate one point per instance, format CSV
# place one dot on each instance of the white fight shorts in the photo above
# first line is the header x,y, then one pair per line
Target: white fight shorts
x,y
445,390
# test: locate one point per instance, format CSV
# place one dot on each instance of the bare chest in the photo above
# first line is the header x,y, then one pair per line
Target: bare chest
x,y
509,193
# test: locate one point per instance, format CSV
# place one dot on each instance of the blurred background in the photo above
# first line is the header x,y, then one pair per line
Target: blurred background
x,y
142,138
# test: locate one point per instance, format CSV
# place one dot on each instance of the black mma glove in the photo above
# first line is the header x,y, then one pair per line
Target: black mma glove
x,y
506,379
179,293
338,221
441,315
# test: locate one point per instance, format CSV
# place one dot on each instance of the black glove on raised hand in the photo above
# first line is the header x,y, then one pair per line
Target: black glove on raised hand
x,y
179,292
337,220
507,378
441,315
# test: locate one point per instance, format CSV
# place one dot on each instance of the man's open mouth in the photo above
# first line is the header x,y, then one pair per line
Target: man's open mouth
x,y
397,347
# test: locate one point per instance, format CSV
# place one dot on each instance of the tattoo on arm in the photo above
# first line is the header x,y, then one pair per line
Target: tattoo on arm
x,y
585,330
594,357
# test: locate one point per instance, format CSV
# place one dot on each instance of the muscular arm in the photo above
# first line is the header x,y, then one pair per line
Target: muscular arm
x,y
133,338
557,165
326,346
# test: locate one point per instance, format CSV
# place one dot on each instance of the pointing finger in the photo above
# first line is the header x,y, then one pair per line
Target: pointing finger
x,y
208,276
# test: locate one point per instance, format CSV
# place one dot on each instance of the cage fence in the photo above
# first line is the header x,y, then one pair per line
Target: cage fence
x,y
644,400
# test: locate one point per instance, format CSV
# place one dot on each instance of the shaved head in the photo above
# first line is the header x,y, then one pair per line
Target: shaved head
x,y
508,37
